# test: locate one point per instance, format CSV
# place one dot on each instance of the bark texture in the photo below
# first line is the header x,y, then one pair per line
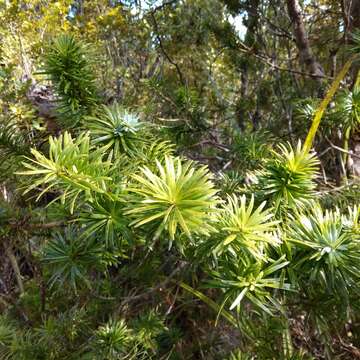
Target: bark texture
x,y
302,40
249,41
354,25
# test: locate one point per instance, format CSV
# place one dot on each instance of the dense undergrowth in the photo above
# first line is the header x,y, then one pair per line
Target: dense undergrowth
x,y
123,239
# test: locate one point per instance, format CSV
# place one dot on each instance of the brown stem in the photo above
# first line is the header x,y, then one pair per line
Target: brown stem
x,y
155,288
173,63
15,267
302,40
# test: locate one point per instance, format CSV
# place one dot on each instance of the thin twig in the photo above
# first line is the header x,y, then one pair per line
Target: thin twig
x,y
24,225
15,266
341,149
160,7
268,62
335,189
213,143
155,288
173,63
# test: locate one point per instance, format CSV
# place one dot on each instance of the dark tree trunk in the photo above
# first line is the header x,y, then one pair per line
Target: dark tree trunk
x,y
249,41
302,40
354,15
353,23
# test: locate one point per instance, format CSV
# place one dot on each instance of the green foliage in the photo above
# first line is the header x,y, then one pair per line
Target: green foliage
x,y
239,355
242,229
71,258
355,37
304,113
269,337
230,182
239,242
326,254
248,279
250,150
348,108
7,336
305,110
258,270
116,130
105,218
13,145
156,149
179,196
68,66
112,340
288,179
59,332
12,141
246,228
149,328
18,345
189,101
71,167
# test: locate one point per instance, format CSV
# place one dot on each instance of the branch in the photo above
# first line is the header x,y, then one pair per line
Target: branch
x,y
160,7
48,225
173,63
15,266
4,302
302,40
268,62
213,143
336,189
333,146
24,225
153,289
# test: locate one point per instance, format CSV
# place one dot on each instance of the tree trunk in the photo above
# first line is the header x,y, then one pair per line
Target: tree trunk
x,y
354,143
302,40
249,41
354,15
